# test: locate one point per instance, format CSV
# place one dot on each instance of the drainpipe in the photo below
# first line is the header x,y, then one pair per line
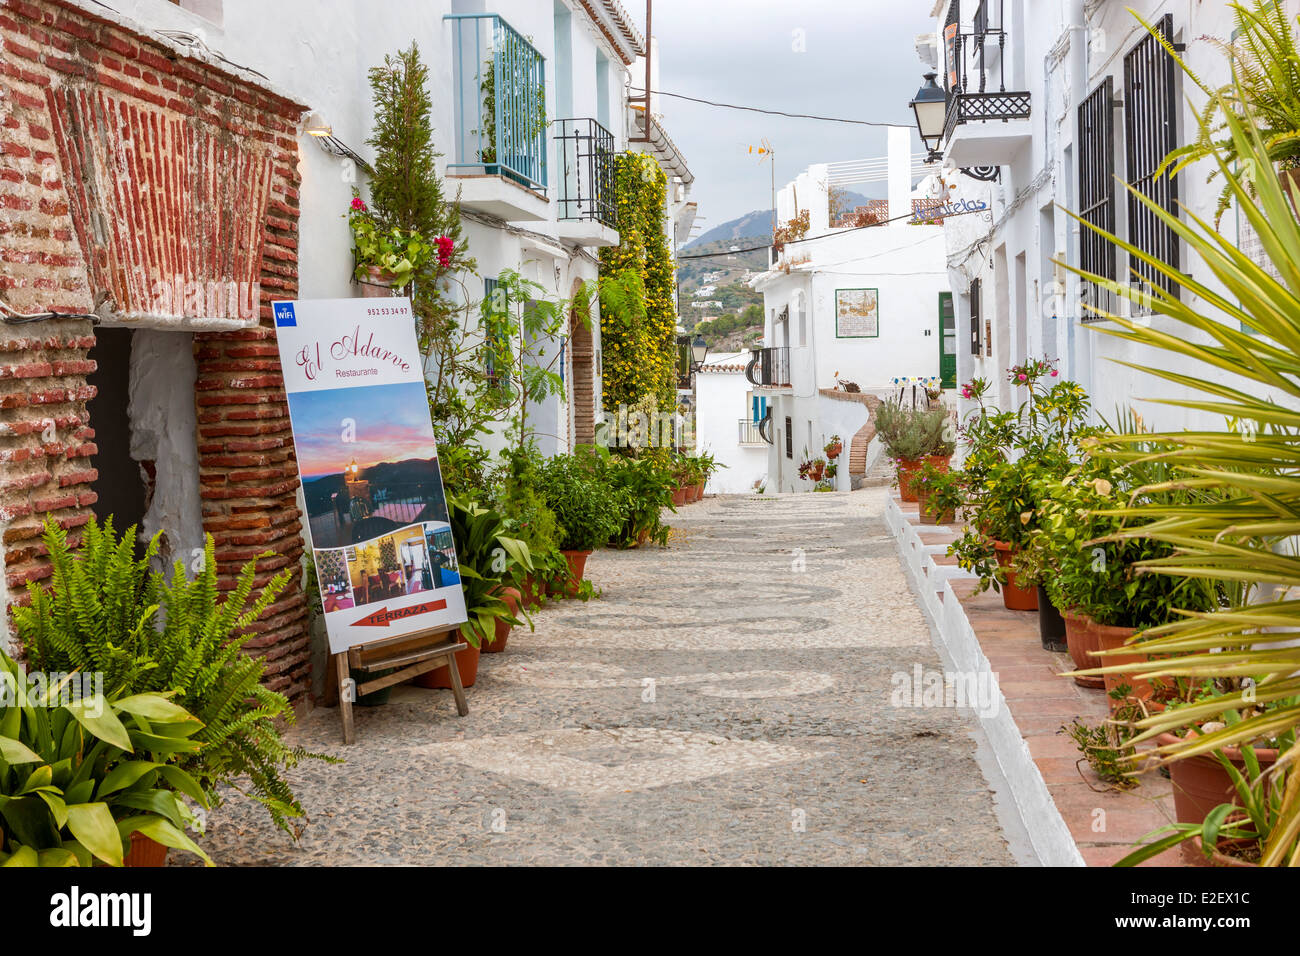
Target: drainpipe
x,y
1080,344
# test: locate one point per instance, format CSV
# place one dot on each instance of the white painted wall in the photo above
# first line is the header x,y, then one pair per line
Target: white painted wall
x,y
722,400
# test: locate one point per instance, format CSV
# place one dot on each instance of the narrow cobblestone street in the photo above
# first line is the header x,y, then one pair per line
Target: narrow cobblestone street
x,y
727,701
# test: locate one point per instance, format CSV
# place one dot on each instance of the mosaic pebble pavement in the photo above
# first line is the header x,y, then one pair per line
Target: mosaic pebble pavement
x,y
726,701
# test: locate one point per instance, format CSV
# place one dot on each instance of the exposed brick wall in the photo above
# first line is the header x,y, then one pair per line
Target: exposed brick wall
x,y
206,161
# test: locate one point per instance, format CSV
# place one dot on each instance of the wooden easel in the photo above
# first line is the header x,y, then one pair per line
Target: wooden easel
x,y
410,655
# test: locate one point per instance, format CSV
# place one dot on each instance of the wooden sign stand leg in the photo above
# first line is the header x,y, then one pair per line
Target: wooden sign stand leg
x,y
346,693
408,656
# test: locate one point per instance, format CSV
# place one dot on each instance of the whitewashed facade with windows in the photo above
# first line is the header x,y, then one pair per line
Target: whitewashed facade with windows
x,y
1069,100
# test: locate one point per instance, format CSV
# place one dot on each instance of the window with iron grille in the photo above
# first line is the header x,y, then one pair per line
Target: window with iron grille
x,y
789,438
1151,133
1096,148
976,325
494,336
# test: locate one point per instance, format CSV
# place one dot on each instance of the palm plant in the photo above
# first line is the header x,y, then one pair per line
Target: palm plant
x,y
1237,534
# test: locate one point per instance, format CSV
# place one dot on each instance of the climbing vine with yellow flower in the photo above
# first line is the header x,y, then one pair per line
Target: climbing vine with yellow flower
x,y
638,325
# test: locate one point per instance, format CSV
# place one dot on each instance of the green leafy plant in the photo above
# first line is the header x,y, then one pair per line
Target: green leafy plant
x,y
524,331
105,611
79,774
644,486
398,252
1106,747
910,434
589,510
487,557
944,489
638,317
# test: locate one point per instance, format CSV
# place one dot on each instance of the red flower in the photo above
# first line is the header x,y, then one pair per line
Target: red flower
x,y
446,246
358,204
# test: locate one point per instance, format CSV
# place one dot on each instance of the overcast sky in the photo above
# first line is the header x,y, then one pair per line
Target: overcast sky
x,y
860,62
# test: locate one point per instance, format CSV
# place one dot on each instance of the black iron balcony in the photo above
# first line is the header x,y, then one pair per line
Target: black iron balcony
x,y
751,433
586,163
970,78
769,368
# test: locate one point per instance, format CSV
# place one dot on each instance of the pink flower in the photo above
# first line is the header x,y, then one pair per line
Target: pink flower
x,y
446,246
358,204
1023,376
1055,373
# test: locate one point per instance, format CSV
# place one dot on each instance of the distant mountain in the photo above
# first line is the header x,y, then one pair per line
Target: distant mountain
x,y
747,226
758,223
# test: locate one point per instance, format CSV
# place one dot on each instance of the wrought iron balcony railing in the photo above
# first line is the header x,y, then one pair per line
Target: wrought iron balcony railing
x,y
769,368
585,151
751,433
969,76
499,89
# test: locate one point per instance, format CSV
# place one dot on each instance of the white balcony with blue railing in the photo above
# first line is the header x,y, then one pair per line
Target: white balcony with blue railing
x,y
499,91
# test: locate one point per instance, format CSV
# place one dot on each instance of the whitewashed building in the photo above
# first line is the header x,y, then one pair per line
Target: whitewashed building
x,y
1065,102
729,412
537,198
861,304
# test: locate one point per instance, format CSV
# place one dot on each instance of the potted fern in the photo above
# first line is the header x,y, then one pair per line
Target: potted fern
x,y
105,610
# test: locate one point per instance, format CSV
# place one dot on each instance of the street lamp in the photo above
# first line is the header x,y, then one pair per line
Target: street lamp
x,y
699,352
931,108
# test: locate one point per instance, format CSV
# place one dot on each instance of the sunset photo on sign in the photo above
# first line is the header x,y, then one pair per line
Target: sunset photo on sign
x,y
369,465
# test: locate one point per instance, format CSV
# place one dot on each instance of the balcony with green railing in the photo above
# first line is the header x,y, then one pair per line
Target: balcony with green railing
x,y
499,91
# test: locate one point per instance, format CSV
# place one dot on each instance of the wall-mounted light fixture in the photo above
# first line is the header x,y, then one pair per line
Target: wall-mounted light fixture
x,y
318,129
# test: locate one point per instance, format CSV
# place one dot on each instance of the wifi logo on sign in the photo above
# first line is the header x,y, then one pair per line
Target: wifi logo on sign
x,y
284,315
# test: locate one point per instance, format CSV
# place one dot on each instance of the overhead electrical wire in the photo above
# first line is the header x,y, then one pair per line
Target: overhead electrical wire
x,y
757,109
827,235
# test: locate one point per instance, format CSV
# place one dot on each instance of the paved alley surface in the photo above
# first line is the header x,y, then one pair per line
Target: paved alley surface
x,y
727,701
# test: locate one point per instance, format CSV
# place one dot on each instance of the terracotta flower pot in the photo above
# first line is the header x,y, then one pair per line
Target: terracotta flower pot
x,y
698,492
1193,855
925,516
1200,783
816,474
145,851
466,664
533,591
833,451
577,566
1081,640
378,284
679,497
1014,597
1111,638
512,598
907,468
